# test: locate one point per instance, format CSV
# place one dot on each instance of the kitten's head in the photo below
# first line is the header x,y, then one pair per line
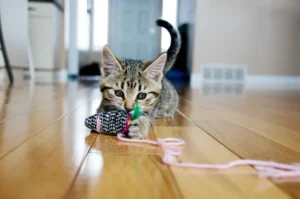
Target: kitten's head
x,y
124,82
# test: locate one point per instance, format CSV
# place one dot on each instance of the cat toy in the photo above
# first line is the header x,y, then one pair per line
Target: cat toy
x,y
118,122
113,122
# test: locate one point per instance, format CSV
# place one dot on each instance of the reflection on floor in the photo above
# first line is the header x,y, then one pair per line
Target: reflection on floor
x,y
47,152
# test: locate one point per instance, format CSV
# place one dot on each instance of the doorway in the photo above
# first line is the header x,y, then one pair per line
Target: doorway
x,y
133,32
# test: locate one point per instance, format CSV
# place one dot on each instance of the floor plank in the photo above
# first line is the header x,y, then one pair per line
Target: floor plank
x,y
47,152
280,134
201,148
119,176
109,144
284,118
42,100
46,165
248,144
177,120
17,130
246,135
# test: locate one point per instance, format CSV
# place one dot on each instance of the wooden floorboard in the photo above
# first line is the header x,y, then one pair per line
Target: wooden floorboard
x,y
285,136
285,118
47,152
124,176
110,145
47,164
19,129
247,144
40,99
202,148
249,135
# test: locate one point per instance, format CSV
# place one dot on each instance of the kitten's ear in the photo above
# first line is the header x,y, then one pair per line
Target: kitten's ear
x,y
155,69
110,63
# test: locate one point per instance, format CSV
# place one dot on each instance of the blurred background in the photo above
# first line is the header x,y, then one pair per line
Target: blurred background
x,y
237,41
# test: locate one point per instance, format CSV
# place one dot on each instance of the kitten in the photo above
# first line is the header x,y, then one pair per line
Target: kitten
x,y
125,81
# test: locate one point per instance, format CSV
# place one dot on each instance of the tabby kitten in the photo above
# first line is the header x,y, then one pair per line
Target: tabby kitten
x,y
126,81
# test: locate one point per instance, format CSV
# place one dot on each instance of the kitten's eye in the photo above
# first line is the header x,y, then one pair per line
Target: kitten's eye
x,y
141,96
119,93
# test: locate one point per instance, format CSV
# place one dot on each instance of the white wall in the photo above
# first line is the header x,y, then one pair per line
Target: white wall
x,y
14,18
261,34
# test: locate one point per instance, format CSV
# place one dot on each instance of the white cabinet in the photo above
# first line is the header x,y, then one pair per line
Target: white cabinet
x,y
46,35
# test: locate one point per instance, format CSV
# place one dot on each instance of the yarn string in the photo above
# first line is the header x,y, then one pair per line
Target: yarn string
x,y
266,169
98,126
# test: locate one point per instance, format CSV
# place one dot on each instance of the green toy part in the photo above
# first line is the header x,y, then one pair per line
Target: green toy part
x,y
136,112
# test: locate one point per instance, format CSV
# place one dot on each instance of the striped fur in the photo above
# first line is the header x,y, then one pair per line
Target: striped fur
x,y
126,81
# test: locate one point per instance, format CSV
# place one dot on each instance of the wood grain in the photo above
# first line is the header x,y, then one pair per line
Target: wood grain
x,y
233,183
247,134
46,164
47,152
118,176
16,130
109,144
286,119
177,120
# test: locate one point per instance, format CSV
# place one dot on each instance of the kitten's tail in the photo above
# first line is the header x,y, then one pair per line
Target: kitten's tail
x,y
175,44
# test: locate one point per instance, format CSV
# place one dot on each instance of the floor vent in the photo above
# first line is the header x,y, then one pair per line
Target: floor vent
x,y
224,73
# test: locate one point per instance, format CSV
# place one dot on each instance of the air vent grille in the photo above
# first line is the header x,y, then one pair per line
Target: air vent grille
x,y
224,73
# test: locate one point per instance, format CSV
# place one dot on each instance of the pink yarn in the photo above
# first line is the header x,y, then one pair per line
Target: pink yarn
x,y
267,169
98,124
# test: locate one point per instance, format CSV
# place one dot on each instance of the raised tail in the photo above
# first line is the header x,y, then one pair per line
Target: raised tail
x,y
175,44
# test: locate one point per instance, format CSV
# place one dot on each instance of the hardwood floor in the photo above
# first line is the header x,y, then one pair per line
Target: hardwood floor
x,y
47,152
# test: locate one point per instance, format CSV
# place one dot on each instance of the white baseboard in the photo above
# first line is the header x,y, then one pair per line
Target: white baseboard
x,y
254,81
60,76
17,73
40,76
274,81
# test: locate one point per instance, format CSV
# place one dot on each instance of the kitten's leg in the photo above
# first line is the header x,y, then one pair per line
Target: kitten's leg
x,y
165,114
139,128
167,109
168,102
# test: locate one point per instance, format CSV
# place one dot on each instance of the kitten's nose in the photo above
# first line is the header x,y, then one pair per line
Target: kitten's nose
x,y
129,105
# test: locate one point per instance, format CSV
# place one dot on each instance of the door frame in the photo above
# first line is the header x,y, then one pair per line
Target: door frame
x,y
111,5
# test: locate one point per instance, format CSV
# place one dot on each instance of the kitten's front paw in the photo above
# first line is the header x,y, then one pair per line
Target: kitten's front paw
x,y
135,132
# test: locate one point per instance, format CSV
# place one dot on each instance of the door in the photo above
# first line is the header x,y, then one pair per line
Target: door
x,y
133,32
